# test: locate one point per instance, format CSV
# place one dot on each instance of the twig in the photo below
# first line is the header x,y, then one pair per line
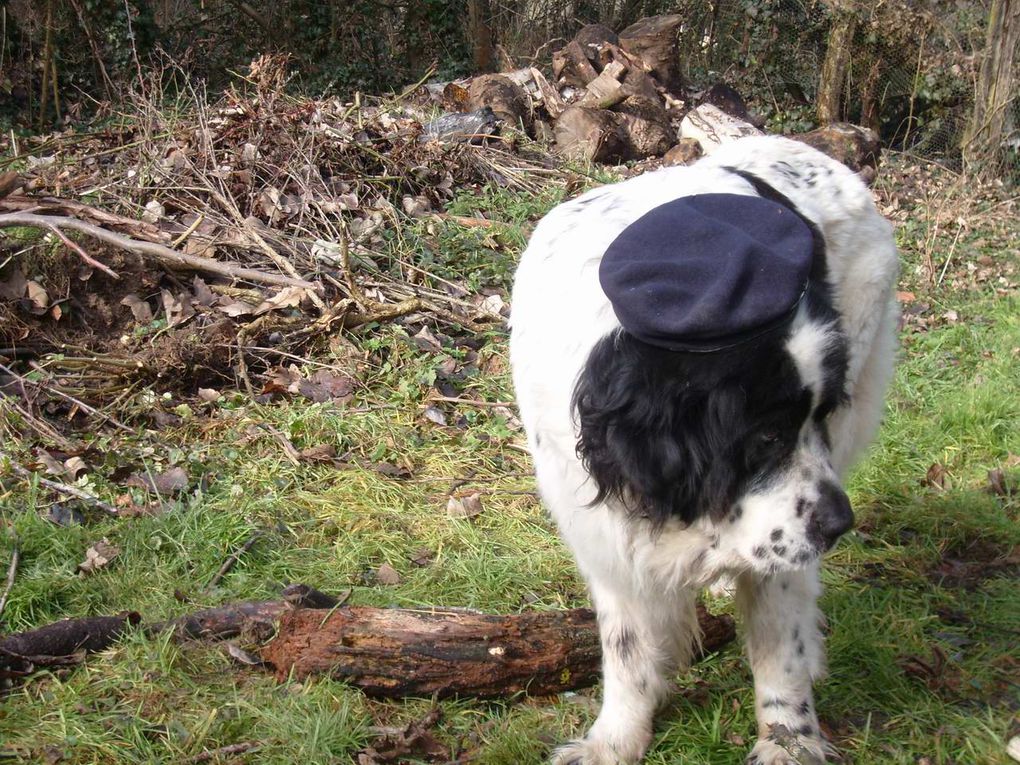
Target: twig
x,y
68,396
161,253
469,402
224,751
84,255
63,488
230,562
12,571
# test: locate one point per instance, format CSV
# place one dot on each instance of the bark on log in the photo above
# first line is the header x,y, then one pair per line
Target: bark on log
x,y
550,96
508,100
606,90
400,652
711,127
856,147
647,127
592,135
571,65
61,643
655,40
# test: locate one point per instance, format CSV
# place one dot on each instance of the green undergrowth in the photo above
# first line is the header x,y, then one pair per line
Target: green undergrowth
x,y
921,599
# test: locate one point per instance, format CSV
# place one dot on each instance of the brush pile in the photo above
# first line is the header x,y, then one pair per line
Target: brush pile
x,y
194,244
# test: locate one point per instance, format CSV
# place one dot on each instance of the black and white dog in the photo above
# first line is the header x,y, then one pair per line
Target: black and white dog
x,y
699,354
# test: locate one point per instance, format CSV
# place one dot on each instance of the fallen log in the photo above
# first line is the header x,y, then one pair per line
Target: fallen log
x,y
394,652
388,652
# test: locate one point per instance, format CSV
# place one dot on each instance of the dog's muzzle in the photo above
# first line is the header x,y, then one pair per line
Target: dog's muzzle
x,y
832,516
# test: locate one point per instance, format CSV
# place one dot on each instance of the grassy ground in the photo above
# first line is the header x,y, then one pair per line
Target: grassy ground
x,y
922,602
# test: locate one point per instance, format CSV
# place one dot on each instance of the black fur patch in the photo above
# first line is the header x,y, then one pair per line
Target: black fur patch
x,y
682,435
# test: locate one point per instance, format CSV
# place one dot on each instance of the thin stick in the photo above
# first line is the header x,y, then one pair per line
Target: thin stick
x,y
12,571
63,488
223,751
161,253
230,562
469,402
84,255
67,396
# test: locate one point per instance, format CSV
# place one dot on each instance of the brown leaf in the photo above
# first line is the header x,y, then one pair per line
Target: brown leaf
x,y
209,396
288,297
423,557
318,453
74,467
234,308
203,295
169,482
178,309
906,297
999,483
412,743
937,476
98,556
39,298
467,506
387,575
390,470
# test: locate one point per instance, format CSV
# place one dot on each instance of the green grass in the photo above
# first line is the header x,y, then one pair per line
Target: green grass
x,y
955,402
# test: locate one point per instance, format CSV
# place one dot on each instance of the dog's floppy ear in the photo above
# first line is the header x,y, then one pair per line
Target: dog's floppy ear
x,y
650,438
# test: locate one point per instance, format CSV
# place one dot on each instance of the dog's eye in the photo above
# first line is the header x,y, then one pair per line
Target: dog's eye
x,y
769,437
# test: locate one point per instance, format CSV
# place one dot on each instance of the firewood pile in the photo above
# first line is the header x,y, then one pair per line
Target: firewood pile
x,y
614,97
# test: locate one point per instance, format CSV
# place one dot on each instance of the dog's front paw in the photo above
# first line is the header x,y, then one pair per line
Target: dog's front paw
x,y
589,752
783,748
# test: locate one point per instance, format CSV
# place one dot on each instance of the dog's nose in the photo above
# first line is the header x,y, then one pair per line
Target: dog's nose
x,y
832,516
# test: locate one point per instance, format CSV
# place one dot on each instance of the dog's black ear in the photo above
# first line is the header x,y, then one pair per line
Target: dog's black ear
x,y
653,438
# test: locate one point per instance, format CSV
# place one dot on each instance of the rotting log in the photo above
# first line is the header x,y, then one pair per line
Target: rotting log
x,y
592,135
393,653
386,652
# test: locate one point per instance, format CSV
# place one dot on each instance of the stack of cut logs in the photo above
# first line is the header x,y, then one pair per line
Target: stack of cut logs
x,y
618,97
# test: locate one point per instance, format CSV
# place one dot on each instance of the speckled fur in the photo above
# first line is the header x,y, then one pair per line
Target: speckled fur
x,y
643,581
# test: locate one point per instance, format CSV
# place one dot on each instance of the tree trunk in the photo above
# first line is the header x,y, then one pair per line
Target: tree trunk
x,y
828,102
995,88
480,32
655,41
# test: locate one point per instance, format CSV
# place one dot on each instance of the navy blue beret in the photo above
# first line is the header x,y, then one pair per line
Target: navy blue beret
x,y
709,271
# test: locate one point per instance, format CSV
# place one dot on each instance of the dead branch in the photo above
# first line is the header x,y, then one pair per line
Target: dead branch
x,y
159,252
62,643
399,652
12,572
224,751
63,488
387,652
231,561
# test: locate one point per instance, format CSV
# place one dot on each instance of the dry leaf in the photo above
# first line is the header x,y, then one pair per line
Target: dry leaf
x,y
936,476
318,453
387,575
288,297
433,414
243,656
467,506
139,308
209,396
74,467
37,295
172,481
178,309
98,556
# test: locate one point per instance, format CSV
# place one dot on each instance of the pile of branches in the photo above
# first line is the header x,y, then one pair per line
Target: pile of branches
x,y
277,208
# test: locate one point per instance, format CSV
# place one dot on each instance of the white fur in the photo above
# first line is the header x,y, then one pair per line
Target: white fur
x,y
646,581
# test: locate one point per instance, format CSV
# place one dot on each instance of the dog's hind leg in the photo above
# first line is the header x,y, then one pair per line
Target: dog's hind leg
x,y
644,636
786,651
